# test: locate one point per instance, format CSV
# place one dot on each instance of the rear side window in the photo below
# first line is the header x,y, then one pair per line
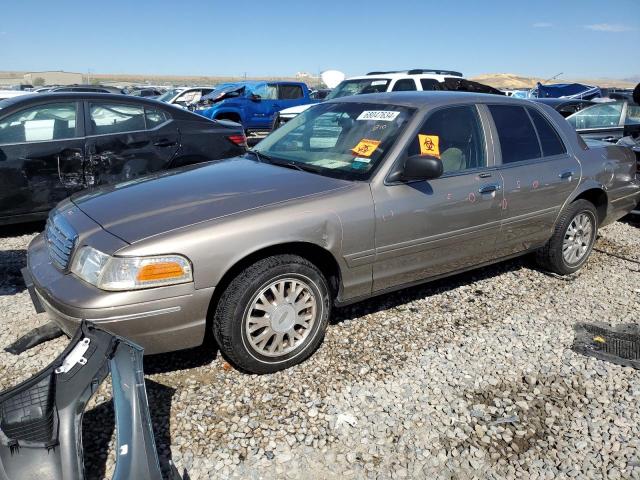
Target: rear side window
x,y
518,139
115,118
290,92
430,84
549,138
404,85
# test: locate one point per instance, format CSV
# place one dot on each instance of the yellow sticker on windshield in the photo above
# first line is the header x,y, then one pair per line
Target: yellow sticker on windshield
x,y
365,147
429,145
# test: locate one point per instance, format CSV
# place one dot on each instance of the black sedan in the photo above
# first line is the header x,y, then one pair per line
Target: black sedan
x,y
54,144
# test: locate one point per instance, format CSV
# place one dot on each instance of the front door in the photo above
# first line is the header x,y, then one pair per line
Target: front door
x,y
261,106
127,140
428,228
41,157
538,174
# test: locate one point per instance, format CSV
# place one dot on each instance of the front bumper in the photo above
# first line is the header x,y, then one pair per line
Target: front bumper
x,y
159,319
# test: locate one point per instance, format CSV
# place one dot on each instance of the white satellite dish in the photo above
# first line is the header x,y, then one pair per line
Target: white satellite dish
x,y
332,78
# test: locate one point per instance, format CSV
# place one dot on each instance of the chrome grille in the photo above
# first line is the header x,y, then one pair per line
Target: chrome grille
x,y
61,239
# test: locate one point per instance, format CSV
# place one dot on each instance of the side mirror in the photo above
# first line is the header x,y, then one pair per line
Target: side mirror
x,y
421,167
255,97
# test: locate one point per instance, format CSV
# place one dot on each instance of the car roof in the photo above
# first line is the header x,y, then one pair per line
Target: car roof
x,y
428,98
37,98
399,75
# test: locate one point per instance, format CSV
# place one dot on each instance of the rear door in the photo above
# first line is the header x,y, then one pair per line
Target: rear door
x,y
41,157
289,95
538,173
126,140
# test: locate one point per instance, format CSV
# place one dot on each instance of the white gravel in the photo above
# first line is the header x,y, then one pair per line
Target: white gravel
x,y
469,377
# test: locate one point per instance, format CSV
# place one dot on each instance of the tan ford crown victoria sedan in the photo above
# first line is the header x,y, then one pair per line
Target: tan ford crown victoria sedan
x,y
353,198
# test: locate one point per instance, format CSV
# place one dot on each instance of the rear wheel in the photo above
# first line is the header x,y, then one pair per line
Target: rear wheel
x,y
273,314
573,238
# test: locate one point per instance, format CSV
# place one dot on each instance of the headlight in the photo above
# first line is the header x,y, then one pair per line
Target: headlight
x,y
130,273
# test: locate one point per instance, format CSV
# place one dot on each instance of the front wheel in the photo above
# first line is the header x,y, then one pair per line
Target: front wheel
x,y
273,314
572,240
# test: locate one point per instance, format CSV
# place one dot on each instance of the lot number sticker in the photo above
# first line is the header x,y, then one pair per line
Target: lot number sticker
x,y
384,115
429,145
365,147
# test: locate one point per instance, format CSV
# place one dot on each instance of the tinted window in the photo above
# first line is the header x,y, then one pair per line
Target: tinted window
x,y
518,139
290,92
549,138
115,118
155,117
455,136
597,116
404,85
430,84
54,121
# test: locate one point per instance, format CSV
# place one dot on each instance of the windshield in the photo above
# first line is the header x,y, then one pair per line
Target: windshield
x,y
343,140
169,94
356,87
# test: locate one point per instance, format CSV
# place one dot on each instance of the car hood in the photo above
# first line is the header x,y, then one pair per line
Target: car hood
x,y
173,199
297,109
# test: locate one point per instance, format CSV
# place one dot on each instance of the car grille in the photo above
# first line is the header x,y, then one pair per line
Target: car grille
x,y
61,239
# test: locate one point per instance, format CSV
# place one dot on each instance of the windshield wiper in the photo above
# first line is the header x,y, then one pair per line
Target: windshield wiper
x,y
260,156
282,163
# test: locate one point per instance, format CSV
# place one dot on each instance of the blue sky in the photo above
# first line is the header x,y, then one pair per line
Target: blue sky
x,y
281,37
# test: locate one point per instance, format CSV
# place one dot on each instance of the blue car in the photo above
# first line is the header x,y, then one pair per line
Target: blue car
x,y
253,103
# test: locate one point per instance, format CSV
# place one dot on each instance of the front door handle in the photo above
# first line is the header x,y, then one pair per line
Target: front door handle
x,y
565,175
489,188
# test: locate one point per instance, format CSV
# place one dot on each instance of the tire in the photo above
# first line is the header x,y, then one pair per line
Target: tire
x,y
247,325
553,256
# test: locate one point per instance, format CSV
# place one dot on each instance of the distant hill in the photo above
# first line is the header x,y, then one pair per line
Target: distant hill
x,y
511,80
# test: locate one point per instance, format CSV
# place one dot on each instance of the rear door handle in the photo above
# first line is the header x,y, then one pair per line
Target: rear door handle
x,y
165,143
565,175
489,188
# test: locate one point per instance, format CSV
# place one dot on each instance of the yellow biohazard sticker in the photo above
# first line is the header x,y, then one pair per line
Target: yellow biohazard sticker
x,y
365,147
429,145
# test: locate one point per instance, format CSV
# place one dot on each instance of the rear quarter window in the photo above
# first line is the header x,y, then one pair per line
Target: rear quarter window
x,y
549,139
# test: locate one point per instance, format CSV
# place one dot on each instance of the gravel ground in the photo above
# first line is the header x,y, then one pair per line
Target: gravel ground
x,y
469,377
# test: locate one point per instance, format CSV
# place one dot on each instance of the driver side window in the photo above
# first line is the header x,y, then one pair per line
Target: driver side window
x,y
454,135
266,91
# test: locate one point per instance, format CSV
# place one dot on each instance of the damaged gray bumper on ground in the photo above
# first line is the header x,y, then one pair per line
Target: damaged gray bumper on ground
x,y
41,419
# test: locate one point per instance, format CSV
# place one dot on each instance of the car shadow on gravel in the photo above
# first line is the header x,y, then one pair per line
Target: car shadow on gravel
x,y
632,220
407,295
21,229
11,261
98,426
182,359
